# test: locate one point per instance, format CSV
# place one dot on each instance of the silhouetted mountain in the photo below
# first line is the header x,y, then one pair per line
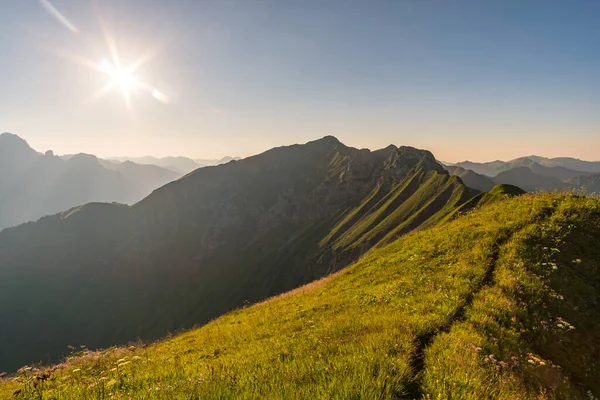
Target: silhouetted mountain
x,y
471,179
528,180
33,185
208,243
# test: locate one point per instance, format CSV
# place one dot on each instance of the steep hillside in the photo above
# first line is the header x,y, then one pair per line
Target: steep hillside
x,y
33,185
498,193
471,178
214,240
501,303
528,180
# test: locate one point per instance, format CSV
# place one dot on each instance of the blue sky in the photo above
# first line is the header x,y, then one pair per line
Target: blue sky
x,y
476,80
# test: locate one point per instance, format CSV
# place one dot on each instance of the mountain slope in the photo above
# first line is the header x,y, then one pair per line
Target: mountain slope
x,y
500,303
15,154
568,162
498,193
142,179
471,178
528,180
33,185
562,168
487,168
590,184
556,171
210,242
182,165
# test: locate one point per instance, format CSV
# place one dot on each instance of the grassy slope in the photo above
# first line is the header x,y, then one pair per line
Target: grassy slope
x,y
421,200
481,307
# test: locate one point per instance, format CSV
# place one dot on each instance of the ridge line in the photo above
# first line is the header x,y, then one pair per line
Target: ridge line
x,y
414,390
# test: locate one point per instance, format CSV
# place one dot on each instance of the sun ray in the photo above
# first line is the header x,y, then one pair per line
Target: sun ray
x,y
120,77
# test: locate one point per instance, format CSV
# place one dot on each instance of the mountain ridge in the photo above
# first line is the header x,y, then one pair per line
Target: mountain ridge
x,y
294,214
33,185
563,167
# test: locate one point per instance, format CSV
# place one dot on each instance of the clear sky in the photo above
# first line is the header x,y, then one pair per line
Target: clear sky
x,y
477,80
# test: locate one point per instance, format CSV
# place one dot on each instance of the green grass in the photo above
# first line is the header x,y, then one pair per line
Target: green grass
x,y
481,307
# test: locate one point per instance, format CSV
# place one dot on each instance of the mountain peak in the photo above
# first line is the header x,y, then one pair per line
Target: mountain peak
x,y
325,141
83,159
8,138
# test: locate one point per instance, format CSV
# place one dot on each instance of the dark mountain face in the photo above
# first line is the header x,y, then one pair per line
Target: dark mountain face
x,y
210,242
33,185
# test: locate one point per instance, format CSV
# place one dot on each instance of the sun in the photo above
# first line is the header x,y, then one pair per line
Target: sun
x,y
122,78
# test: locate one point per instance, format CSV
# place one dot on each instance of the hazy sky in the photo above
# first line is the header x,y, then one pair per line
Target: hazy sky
x,y
475,80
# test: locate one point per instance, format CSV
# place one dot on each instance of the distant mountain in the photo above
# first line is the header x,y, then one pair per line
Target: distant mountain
x,y
182,165
558,172
529,175
471,179
526,179
142,179
487,168
210,242
567,162
211,162
562,168
33,185
590,183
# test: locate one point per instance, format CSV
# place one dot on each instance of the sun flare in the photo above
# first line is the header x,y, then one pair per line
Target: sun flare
x,y
122,78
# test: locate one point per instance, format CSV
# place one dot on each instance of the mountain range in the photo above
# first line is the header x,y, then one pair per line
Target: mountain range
x,y
33,185
561,167
179,164
209,242
530,173
415,284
